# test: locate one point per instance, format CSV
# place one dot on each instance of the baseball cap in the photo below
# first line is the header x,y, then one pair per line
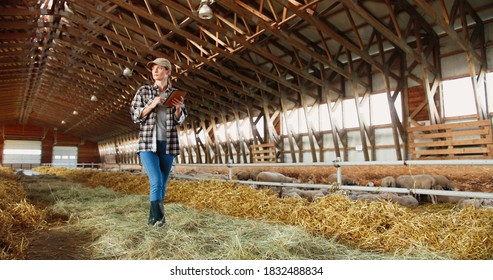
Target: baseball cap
x,y
161,62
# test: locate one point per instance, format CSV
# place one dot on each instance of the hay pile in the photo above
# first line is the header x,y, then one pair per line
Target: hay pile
x,y
17,216
119,181
377,226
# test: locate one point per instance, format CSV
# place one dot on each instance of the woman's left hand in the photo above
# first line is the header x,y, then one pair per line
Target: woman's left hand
x,y
177,103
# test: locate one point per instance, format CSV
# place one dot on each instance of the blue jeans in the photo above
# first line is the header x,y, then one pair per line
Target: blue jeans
x,y
158,166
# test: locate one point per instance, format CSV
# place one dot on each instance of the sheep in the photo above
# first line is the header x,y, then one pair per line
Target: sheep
x,y
473,202
366,197
253,175
405,200
388,181
290,194
346,180
243,175
267,176
448,199
309,195
422,181
444,182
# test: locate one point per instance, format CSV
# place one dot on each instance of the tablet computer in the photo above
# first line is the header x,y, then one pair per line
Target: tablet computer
x,y
174,95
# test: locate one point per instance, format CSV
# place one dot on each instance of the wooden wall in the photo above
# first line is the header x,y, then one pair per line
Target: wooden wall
x,y
88,152
416,99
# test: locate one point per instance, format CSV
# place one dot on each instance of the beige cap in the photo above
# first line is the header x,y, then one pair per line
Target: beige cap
x,y
161,62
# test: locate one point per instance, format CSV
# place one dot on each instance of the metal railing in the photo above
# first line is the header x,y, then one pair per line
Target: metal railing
x,y
338,164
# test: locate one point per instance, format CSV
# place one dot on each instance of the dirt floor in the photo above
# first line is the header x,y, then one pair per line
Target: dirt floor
x,y
465,178
58,241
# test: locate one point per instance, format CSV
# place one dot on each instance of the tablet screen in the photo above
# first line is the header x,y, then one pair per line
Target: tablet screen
x,y
175,94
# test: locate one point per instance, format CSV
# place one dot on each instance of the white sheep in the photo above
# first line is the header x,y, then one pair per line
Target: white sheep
x,y
404,200
421,181
444,182
309,195
370,197
243,175
387,182
253,175
448,199
290,194
472,202
268,176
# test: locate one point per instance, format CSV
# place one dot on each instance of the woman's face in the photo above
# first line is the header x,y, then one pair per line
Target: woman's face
x,y
159,73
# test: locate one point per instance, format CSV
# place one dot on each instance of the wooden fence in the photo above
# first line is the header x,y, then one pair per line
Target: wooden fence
x,y
263,153
451,141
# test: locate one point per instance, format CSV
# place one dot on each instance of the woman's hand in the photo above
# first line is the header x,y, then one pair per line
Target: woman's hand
x,y
151,106
156,102
177,103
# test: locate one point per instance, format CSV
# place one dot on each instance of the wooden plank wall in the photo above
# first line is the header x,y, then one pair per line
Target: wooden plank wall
x,y
88,152
417,101
451,141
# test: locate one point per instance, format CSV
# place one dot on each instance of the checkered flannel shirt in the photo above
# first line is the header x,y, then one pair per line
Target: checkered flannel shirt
x,y
148,134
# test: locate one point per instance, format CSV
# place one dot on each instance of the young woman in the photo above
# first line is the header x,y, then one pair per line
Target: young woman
x,y
158,136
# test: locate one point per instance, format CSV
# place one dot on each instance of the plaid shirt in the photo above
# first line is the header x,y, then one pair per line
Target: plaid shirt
x,y
147,134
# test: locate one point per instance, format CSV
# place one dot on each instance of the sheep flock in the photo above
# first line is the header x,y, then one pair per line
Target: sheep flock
x,y
409,182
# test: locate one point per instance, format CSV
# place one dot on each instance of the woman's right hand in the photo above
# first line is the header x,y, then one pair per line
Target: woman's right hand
x,y
156,101
151,106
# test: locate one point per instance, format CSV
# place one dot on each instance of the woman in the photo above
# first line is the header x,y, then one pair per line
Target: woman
x,y
158,136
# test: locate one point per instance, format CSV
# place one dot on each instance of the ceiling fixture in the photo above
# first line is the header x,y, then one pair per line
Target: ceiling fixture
x,y
94,98
205,12
63,122
75,112
127,72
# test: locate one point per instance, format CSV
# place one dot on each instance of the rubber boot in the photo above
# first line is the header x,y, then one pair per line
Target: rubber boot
x,y
151,220
162,219
153,213
157,213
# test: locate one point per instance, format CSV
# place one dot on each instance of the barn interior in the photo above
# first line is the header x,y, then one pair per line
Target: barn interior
x,y
311,80
301,86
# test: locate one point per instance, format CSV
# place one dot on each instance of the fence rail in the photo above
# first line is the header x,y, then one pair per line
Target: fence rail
x,y
336,163
339,166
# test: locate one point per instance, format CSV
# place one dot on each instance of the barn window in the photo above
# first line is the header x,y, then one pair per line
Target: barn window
x,y
295,121
323,117
380,112
458,97
220,132
350,116
245,129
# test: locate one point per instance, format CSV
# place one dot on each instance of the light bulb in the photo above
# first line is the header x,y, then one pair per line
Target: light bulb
x,y
127,72
205,12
